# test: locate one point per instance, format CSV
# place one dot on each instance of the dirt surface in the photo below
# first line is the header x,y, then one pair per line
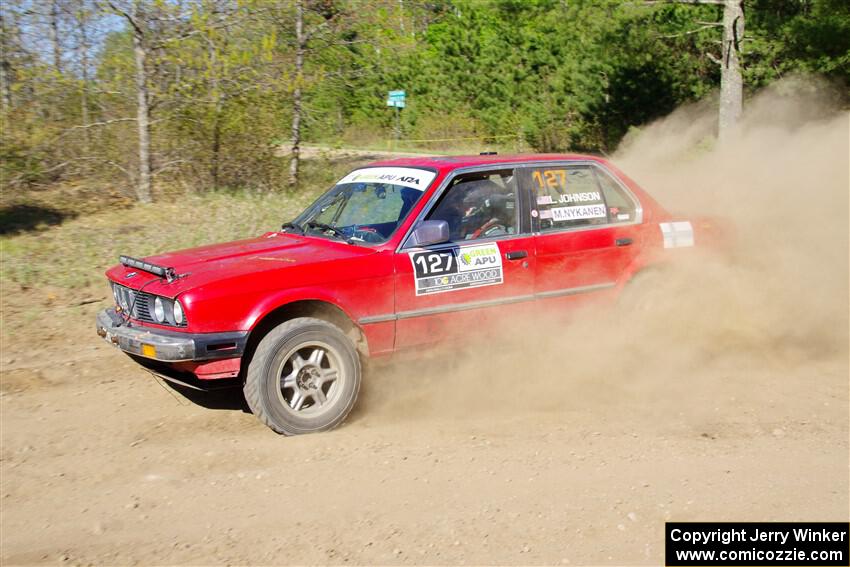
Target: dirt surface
x,y
450,461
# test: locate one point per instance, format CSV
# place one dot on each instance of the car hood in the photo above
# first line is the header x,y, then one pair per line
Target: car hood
x,y
273,251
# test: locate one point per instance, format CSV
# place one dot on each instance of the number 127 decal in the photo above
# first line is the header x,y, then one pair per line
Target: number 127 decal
x,y
458,267
434,263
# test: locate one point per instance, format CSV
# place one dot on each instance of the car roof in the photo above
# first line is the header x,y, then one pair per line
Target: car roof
x,y
449,163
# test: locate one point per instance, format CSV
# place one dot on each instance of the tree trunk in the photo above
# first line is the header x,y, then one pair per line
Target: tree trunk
x,y
731,83
218,109
5,69
301,42
5,85
215,167
143,187
84,64
54,36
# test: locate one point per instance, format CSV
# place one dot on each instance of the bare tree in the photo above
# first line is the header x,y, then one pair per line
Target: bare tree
x,y
82,17
731,81
218,97
55,40
140,53
135,18
319,33
300,47
5,65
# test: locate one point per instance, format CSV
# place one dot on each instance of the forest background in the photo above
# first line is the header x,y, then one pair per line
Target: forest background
x,y
217,85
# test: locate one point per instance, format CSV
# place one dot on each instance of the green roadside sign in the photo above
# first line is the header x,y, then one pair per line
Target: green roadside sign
x,y
396,99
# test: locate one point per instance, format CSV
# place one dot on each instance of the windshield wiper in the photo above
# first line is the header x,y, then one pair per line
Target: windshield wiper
x,y
328,228
288,225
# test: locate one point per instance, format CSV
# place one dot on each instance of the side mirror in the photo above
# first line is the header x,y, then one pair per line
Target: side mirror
x,y
429,232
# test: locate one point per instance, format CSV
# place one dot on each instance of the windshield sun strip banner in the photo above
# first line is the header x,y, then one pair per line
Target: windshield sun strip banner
x,y
413,178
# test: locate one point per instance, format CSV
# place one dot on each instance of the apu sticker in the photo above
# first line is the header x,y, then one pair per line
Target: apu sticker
x,y
459,267
404,176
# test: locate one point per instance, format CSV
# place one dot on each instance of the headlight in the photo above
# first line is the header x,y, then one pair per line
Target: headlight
x,y
124,299
159,310
178,312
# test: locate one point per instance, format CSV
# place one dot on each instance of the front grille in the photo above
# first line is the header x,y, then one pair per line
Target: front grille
x,y
141,305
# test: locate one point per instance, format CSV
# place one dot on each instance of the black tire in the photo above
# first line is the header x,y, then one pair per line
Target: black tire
x,y
285,390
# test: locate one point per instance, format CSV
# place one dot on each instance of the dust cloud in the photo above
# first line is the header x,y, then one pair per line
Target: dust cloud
x,y
729,342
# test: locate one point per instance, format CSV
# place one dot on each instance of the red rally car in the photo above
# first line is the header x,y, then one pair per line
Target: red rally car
x,y
396,255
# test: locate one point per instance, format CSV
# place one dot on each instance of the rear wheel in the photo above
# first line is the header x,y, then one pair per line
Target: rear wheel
x,y
304,377
646,291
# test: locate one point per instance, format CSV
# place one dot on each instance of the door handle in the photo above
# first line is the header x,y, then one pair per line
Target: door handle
x,y
623,241
516,255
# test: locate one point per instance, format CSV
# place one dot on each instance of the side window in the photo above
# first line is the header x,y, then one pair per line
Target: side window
x,y
479,205
621,207
567,197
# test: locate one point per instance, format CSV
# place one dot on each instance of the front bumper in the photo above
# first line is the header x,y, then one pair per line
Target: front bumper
x,y
168,346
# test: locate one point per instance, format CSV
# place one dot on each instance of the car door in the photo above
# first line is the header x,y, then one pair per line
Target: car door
x,y
586,231
483,275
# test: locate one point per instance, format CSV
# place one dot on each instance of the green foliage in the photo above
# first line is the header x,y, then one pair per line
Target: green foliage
x,y
809,36
561,75
549,75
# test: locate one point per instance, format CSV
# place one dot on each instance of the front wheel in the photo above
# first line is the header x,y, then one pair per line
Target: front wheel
x,y
304,377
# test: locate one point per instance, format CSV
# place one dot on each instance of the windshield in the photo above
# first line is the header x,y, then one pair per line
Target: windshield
x,y
365,206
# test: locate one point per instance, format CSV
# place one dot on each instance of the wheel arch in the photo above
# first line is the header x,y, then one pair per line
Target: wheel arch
x,y
646,262
316,308
639,272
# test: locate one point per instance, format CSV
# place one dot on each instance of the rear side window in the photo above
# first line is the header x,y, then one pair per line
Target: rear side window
x,y
567,197
621,207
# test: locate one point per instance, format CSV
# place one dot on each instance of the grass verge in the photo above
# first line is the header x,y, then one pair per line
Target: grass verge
x,y
84,234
